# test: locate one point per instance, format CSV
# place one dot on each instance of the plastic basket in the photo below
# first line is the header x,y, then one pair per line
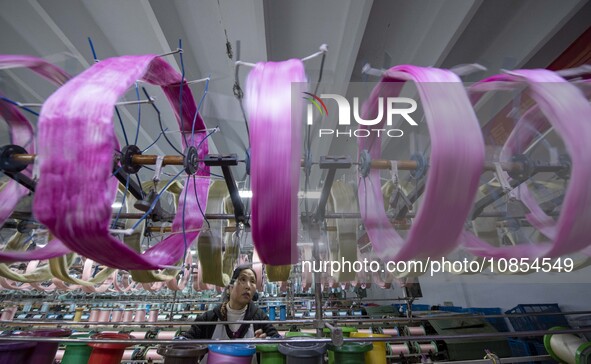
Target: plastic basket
x,y
421,307
582,322
526,347
538,348
519,347
533,323
499,323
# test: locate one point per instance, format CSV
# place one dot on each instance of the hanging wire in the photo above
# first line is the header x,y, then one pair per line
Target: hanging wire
x,y
92,50
164,173
155,141
122,126
181,89
238,93
160,122
153,205
139,183
183,219
196,198
248,200
309,139
19,105
214,130
139,114
114,224
199,109
116,109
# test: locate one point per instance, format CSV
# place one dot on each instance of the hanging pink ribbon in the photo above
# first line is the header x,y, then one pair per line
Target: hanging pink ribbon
x,y
22,134
21,130
37,65
275,121
457,157
76,145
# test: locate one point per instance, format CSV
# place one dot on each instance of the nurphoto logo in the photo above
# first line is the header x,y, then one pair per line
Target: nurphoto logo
x,y
392,106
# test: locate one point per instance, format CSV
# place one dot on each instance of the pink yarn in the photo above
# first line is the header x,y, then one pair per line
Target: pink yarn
x,y
21,130
22,134
275,117
564,105
457,157
37,65
76,145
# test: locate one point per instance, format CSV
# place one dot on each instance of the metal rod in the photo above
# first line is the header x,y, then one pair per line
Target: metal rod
x,y
178,50
198,81
247,64
348,319
228,229
406,165
172,160
173,304
516,359
122,103
393,339
400,321
323,49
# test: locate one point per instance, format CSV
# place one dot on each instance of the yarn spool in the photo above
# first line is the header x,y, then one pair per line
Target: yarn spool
x,y
400,349
140,315
414,331
152,354
127,315
424,348
392,331
116,315
166,335
78,314
94,315
567,348
104,315
153,315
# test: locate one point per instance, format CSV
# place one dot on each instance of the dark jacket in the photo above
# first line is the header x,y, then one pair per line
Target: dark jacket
x,y
253,313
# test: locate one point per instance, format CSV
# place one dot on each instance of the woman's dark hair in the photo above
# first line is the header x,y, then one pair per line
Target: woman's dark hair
x,y
239,270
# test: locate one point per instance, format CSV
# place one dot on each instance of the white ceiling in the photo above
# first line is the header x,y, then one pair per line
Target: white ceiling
x,y
497,34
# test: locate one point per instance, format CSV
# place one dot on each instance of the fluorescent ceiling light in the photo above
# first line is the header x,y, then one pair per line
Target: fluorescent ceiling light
x,y
245,194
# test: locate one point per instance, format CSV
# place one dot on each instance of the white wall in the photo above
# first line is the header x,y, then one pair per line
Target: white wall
x,y
572,291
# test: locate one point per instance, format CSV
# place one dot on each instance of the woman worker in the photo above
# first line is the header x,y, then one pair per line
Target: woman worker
x,y
237,305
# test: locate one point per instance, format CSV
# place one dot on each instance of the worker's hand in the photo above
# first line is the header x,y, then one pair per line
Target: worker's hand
x,y
259,334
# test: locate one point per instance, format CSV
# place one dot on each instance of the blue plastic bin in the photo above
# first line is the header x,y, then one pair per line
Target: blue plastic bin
x,y
499,323
532,323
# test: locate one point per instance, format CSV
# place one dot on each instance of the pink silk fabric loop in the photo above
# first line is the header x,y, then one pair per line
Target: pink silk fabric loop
x,y
275,117
563,104
22,134
76,145
457,157
37,65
